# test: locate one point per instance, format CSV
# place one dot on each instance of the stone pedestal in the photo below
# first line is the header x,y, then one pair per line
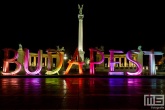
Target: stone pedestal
x,y
81,53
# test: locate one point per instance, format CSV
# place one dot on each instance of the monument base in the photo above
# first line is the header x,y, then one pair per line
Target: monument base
x,y
81,53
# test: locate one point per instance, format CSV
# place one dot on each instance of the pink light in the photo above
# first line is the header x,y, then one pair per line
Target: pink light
x,y
92,70
112,63
139,68
26,62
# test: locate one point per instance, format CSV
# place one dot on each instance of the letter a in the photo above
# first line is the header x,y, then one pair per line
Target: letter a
x,y
74,61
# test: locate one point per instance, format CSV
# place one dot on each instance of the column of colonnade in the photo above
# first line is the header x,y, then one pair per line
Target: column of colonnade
x,y
34,62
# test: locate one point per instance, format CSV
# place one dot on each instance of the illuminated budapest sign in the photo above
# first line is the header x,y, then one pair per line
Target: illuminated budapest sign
x,y
76,61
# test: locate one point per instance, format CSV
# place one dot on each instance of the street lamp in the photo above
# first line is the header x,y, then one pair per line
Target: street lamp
x,y
65,58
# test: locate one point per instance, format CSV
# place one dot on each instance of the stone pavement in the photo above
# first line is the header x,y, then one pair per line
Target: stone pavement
x,y
76,93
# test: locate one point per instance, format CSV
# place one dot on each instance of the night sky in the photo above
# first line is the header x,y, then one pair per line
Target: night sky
x,y
115,25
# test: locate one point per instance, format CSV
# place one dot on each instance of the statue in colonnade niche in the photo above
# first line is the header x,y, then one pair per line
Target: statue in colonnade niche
x,y
60,49
87,62
140,48
101,48
20,47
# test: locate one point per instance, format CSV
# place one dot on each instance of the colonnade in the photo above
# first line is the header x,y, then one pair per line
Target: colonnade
x,y
33,59
34,62
121,63
120,58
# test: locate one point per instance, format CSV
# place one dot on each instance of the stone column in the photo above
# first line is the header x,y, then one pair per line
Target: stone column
x,y
34,61
115,61
119,61
80,32
108,62
45,61
125,62
130,64
30,61
134,58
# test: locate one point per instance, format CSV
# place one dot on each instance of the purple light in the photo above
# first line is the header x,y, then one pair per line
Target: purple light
x,y
112,63
116,73
26,63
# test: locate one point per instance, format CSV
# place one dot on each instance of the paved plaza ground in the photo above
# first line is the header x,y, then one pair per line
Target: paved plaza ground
x,y
78,93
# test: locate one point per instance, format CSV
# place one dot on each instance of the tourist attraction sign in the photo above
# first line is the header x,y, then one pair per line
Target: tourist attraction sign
x,y
76,60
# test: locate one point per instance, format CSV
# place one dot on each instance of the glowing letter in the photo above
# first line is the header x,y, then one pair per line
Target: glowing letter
x,y
139,68
73,61
92,70
152,68
112,63
49,72
26,62
12,60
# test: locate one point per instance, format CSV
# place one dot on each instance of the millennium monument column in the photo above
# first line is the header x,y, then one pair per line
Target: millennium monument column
x,y
80,32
